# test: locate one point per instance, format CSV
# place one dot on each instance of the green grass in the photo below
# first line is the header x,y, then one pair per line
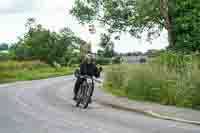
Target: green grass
x,y
11,71
153,82
115,92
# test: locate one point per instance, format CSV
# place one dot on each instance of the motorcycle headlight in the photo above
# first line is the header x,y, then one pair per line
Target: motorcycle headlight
x,y
89,80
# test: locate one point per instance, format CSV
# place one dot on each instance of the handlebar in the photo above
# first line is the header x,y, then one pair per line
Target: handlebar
x,y
86,77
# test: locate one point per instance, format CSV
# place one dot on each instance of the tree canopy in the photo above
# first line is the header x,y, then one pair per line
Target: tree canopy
x,y
40,43
107,46
133,16
179,17
186,24
3,46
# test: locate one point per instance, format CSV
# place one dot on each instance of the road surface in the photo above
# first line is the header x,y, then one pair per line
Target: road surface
x,y
45,106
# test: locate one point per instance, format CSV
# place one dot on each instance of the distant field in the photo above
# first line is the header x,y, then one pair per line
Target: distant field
x,y
11,71
4,51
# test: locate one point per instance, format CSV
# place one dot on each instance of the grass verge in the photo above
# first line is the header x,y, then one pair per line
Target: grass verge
x,y
11,71
175,83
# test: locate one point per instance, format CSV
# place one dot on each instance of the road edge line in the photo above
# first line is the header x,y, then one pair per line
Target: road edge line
x,y
148,112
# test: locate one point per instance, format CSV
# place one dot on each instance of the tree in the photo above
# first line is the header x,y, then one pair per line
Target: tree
x,y
42,44
151,16
107,45
154,52
133,16
3,46
186,24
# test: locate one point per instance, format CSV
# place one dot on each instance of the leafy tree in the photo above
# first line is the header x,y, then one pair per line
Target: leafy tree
x,y
117,60
4,56
137,53
186,25
3,46
107,45
154,52
133,16
40,43
179,17
100,52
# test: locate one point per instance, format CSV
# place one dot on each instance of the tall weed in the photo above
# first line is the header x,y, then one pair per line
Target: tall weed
x,y
170,79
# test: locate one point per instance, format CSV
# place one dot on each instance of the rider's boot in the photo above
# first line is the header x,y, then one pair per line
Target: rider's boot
x,y
74,98
90,100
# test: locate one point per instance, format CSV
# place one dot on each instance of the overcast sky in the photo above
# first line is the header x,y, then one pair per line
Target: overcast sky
x,y
54,14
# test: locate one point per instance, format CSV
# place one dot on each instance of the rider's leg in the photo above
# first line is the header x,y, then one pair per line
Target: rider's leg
x,y
76,87
90,101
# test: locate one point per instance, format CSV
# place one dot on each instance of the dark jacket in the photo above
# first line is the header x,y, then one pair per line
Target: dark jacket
x,y
89,69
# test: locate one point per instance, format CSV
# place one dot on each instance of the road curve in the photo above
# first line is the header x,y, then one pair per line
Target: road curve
x,y
45,106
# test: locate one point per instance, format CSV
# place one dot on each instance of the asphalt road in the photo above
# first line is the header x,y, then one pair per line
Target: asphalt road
x,y
45,106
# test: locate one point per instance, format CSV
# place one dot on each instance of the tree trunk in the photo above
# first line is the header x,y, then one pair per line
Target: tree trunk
x,y
164,11
171,36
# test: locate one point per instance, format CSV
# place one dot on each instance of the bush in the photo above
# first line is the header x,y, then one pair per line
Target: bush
x,y
142,60
56,65
103,61
116,60
116,79
4,56
15,65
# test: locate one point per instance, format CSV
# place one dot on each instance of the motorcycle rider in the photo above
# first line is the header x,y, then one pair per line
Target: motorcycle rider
x,y
89,68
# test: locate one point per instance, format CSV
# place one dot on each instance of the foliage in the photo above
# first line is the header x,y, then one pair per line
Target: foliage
x,y
105,54
179,17
186,25
132,54
103,61
116,60
3,46
40,43
4,56
120,15
116,73
153,52
107,46
171,79
143,60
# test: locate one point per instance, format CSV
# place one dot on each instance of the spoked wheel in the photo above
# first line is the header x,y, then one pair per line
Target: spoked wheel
x,y
87,95
79,96
84,94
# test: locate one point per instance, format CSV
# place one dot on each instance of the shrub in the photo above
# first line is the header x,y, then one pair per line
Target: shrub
x,y
116,60
103,61
15,65
4,56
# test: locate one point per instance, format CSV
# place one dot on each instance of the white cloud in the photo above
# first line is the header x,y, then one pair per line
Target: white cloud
x,y
16,6
51,6
55,15
6,4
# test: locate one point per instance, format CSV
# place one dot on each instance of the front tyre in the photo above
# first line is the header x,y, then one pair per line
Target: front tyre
x,y
88,94
79,96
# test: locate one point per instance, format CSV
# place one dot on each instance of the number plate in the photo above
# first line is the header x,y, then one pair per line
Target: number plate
x,y
89,80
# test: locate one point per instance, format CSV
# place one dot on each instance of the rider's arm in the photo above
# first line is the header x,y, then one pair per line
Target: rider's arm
x,y
96,72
